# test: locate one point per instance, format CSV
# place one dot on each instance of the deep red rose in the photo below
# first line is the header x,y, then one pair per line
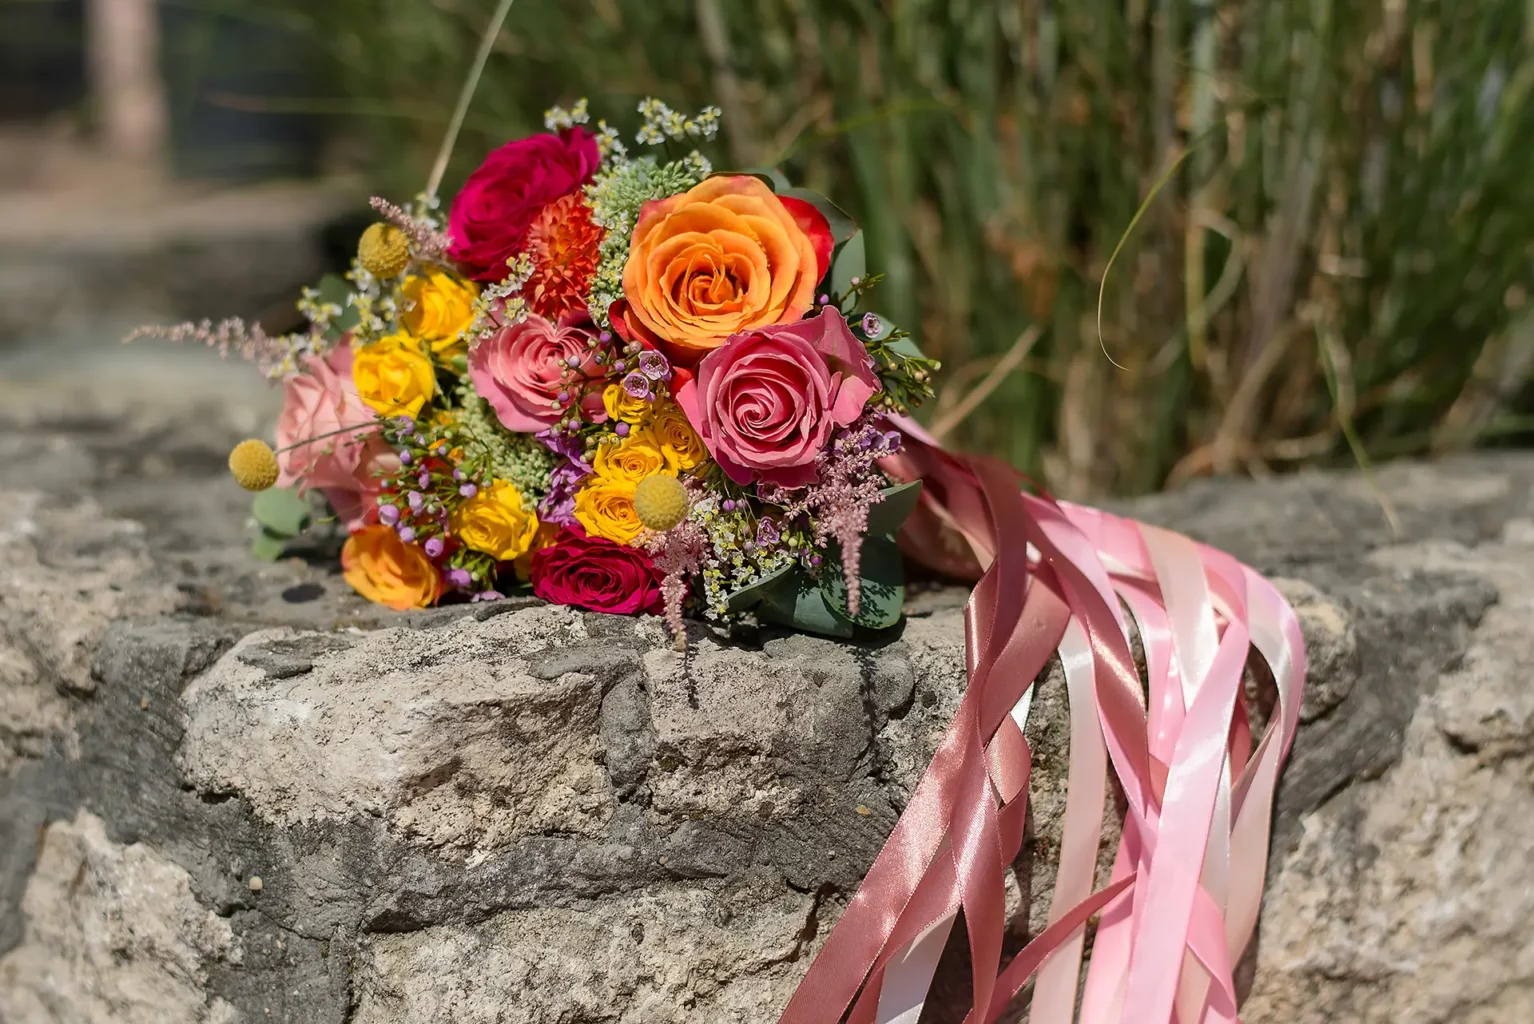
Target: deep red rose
x,y
491,214
596,574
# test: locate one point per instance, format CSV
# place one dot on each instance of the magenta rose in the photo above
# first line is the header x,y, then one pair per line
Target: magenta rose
x,y
490,216
767,401
522,369
317,402
596,574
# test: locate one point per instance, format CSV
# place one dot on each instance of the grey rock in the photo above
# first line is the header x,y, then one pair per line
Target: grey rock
x,y
516,812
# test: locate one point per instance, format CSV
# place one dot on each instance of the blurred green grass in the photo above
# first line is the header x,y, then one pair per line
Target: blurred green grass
x,y
1337,268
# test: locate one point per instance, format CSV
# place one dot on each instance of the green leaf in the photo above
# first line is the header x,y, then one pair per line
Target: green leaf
x,y
907,347
883,589
754,593
334,289
268,546
281,511
771,175
843,227
850,262
804,608
898,503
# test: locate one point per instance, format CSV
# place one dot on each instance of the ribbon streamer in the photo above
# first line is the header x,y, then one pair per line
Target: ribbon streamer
x,y
1181,902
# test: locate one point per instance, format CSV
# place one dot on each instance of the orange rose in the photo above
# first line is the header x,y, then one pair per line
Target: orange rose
x,y
386,570
726,256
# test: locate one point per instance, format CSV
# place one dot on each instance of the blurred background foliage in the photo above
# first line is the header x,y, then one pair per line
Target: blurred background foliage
x,y
1336,265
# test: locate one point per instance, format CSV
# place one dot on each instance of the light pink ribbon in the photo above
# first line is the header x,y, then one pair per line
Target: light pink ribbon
x,y
1187,878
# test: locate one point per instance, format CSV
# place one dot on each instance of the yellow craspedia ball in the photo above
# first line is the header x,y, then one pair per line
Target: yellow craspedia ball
x,y
253,464
660,502
383,250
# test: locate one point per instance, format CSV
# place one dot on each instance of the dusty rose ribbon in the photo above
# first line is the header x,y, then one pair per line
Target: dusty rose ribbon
x,y
1187,879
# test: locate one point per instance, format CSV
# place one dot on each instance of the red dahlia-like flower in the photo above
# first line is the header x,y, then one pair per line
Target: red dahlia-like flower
x,y
562,242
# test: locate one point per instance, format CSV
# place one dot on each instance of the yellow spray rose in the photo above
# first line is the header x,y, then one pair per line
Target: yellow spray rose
x,y
393,376
496,521
631,460
621,405
438,310
679,444
606,509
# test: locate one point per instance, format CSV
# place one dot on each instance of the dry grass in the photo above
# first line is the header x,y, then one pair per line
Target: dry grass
x,y
1343,251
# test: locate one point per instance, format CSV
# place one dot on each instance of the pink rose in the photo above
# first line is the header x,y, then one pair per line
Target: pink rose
x,y
319,401
522,368
356,504
491,214
767,401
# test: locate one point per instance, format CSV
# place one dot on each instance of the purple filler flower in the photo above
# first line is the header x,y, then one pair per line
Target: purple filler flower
x,y
388,514
654,365
415,500
434,547
872,325
406,534
637,385
460,578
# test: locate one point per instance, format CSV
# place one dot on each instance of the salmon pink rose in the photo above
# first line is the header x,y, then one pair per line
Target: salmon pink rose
x,y
491,215
523,368
596,574
726,256
318,402
768,401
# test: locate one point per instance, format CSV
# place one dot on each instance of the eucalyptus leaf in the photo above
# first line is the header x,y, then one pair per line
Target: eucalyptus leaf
x,y
334,289
268,546
804,608
897,504
755,593
851,262
883,584
281,511
842,225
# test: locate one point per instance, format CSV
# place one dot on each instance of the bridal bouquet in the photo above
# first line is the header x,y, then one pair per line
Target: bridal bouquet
x,y
635,384
632,384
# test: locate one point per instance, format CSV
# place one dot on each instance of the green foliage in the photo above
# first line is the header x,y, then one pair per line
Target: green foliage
x,y
1356,195
279,514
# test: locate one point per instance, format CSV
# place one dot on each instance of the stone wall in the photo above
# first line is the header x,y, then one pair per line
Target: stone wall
x,y
231,791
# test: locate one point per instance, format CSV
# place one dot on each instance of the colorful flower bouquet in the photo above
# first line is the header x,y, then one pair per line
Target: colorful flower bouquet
x,y
634,384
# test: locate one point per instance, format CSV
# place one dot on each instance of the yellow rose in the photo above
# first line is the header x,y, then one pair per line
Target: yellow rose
x,y
606,509
438,310
632,459
679,444
546,535
621,405
386,570
496,521
393,376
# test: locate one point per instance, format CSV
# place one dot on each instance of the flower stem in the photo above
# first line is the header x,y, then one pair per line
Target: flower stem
x,y
486,42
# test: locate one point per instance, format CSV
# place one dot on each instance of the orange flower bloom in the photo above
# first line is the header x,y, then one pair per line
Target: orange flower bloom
x,y
562,243
386,570
726,256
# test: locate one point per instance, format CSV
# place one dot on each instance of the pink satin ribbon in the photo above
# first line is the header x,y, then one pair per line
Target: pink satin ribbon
x,y
1182,900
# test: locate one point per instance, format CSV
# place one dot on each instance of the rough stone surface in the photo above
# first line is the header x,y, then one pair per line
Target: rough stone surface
x,y
521,813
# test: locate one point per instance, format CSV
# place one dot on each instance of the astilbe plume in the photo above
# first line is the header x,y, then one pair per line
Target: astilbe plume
x,y
426,241
848,486
275,355
678,553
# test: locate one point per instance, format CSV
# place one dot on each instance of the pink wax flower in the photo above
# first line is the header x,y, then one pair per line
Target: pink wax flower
x,y
768,401
523,369
491,215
